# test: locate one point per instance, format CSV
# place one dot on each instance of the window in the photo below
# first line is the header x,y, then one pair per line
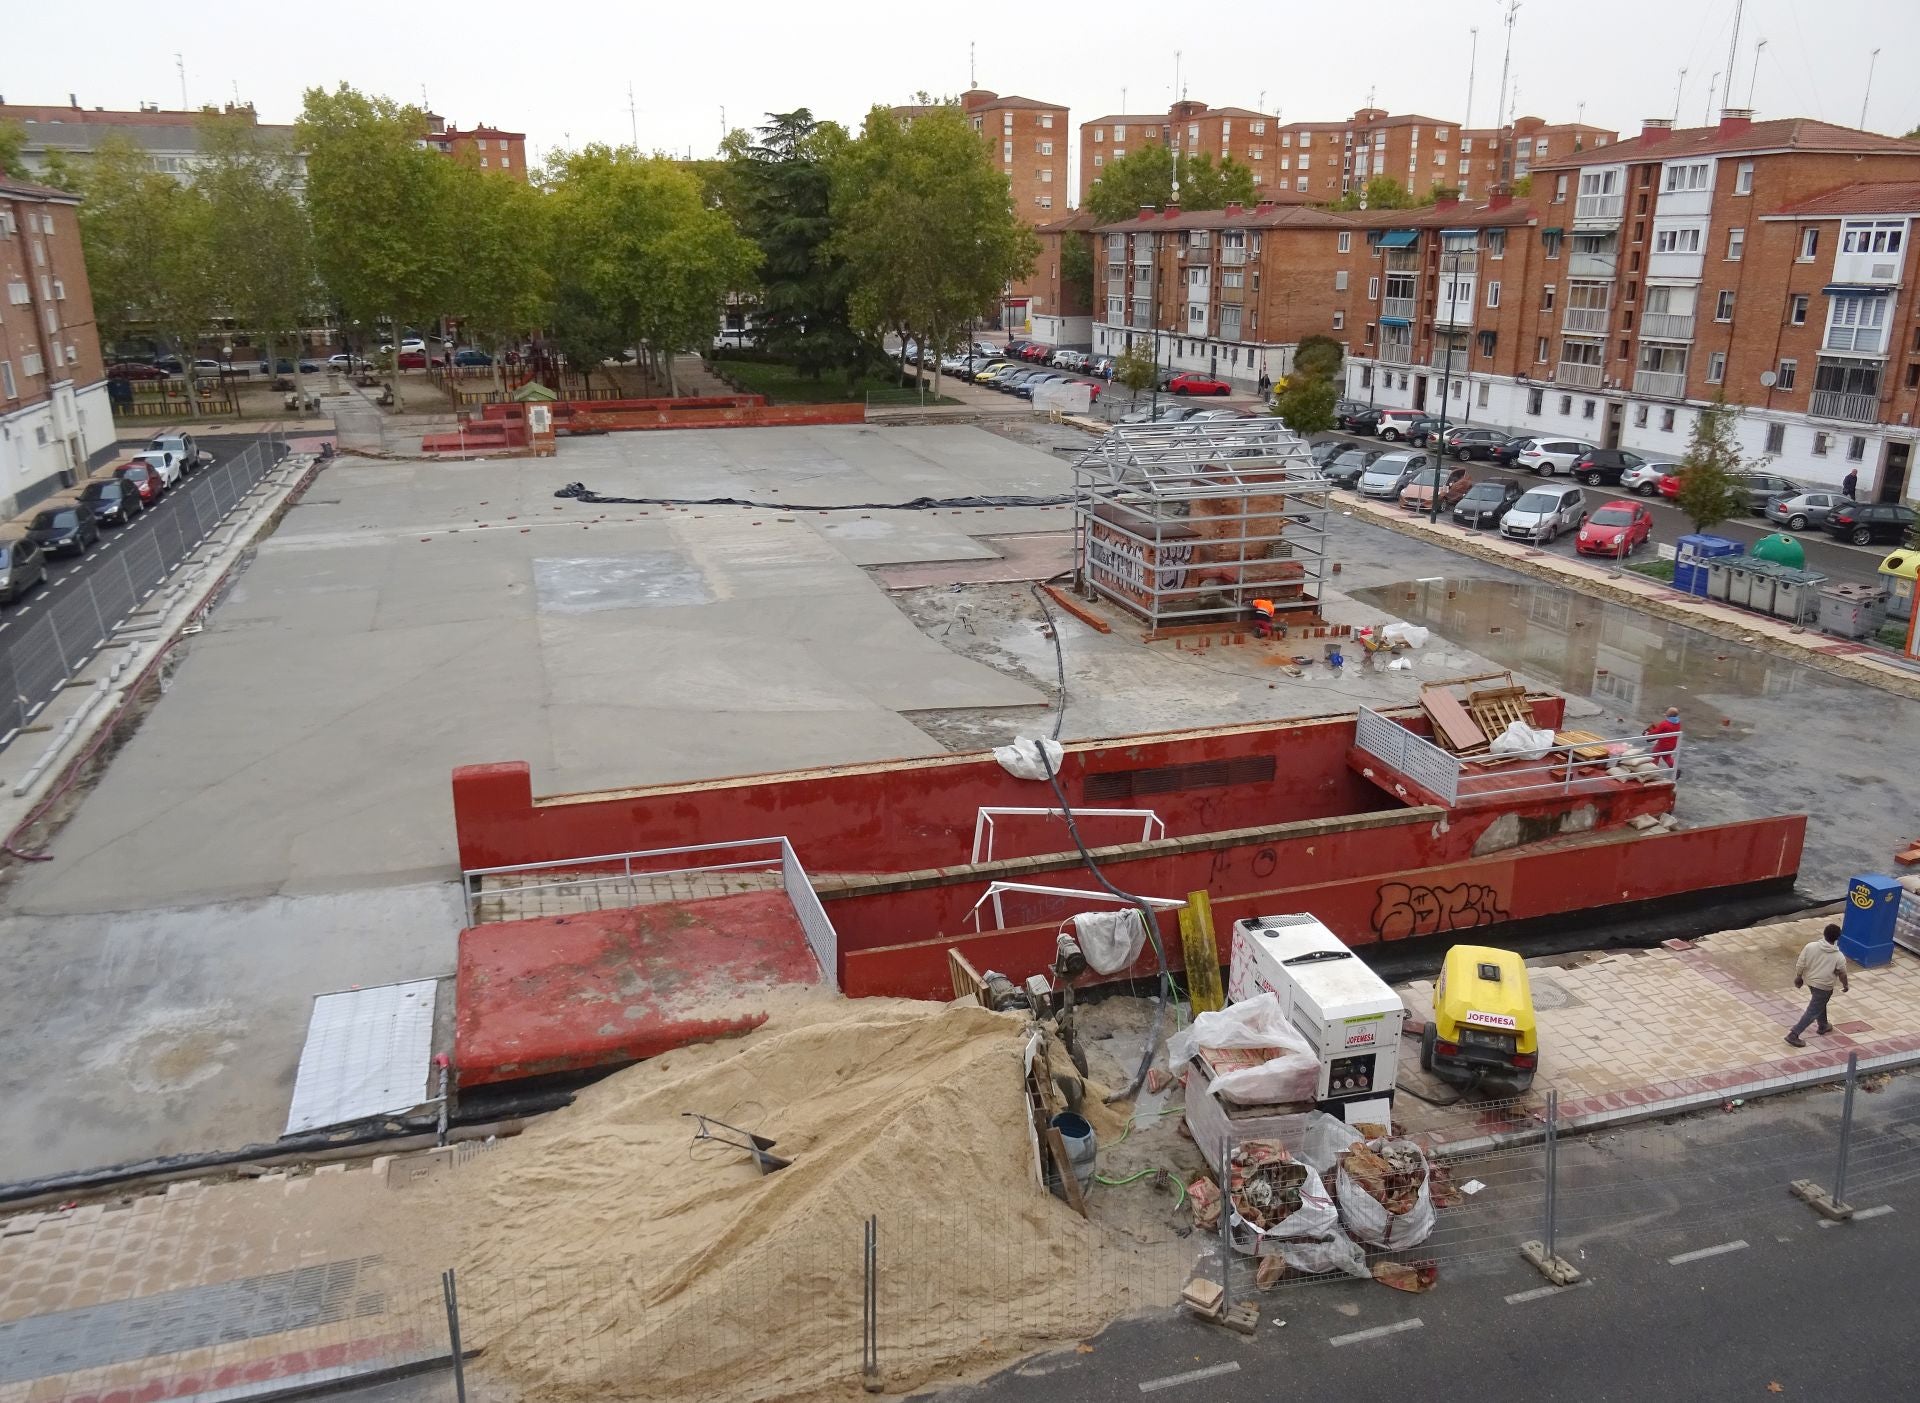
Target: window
x,y
1566,406
1586,408
1300,184
1465,165
1259,153
1439,156
1118,152
1340,281
1303,162
1546,298
1676,241
1306,139
1046,176
1286,138
1044,201
1913,376
1666,421
1542,347
1369,339
1736,244
1856,449
483,163
1193,131
1045,147
505,161
1820,442
1884,237
1560,190
1046,120
1797,309
1006,121
1286,163
1639,416
1692,176
59,290
1119,131
1098,160
1496,243
1743,178
1723,305
1551,238
1339,321
1373,289
1487,340
1006,150
1493,294
1784,377
1346,241
1483,394
6,379
1716,367
1257,128
1536,399
1809,245
1099,134
1776,433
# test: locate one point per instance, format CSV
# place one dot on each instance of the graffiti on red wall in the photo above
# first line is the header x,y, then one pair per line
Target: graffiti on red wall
x,y
1401,910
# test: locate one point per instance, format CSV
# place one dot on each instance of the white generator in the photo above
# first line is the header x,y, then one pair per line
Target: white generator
x,y
1346,1012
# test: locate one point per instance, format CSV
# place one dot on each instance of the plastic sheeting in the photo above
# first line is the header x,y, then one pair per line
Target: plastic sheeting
x,y
1521,742
1292,1075
1030,757
1111,940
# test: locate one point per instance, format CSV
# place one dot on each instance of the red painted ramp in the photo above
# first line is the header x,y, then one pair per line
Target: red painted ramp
x,y
605,988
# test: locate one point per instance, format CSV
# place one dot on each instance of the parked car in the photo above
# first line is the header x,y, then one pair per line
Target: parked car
x,y
1803,509
1644,480
1346,410
1763,488
1068,360
1192,383
163,461
1325,451
134,370
1600,465
1366,421
1468,444
113,501
1389,474
1543,513
1866,522
412,360
1219,414
1035,352
308,366
62,528
191,455
1345,468
1418,494
987,374
143,480
1486,502
22,566
1103,367
986,349
1027,386
1422,431
1544,457
346,362
1506,453
471,355
1396,424
1617,529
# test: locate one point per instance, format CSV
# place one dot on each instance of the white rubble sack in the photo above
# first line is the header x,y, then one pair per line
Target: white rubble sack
x,y
1522,742
1030,757
1368,1219
1111,940
1410,634
1292,1075
1324,1140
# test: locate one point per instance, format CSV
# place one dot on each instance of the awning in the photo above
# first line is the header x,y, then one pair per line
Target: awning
x,y
1395,321
1398,238
1552,229
1855,289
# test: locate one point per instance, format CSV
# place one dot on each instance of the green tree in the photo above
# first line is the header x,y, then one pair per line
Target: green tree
x,y
500,288
1144,178
1319,356
1305,402
1381,192
1076,265
785,184
383,233
13,145
1204,185
927,227
582,330
1710,471
1442,192
1523,187
1135,369
260,244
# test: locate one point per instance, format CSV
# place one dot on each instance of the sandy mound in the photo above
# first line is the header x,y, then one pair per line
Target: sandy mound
x,y
603,1256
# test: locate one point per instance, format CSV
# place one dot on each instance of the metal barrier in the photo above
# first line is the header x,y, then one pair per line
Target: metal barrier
x,y
1455,778
43,650
645,876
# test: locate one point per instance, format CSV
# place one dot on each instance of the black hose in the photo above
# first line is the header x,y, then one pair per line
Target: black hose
x,y
580,492
1147,915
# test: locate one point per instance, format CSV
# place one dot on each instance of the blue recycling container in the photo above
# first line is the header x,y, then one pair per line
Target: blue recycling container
x,y
1690,557
1866,931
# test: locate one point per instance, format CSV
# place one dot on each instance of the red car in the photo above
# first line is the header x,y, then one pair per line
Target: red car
x,y
1615,530
1191,384
135,370
1035,352
142,479
1670,486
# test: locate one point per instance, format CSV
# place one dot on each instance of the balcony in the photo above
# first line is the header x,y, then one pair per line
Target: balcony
x,y
1396,353
1234,295
1600,266
1454,362
1198,256
1856,341
1855,409
1598,209
1662,384
1457,313
1667,326
1141,318
1584,377
1464,264
1586,321
1401,307
1232,257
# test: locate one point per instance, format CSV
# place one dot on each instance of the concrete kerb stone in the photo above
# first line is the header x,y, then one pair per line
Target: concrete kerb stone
x,y
1724,623
122,669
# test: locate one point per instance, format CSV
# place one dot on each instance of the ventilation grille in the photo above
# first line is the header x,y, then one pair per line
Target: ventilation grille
x,y
1119,785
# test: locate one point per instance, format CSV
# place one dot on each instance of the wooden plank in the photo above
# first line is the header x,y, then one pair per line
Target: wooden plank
x,y
967,982
1451,724
1069,1182
1202,953
1586,745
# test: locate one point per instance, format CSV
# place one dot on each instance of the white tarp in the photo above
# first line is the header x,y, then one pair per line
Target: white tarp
x,y
1067,396
369,1052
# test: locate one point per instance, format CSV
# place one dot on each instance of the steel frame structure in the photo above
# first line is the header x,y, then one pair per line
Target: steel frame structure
x,y
1189,523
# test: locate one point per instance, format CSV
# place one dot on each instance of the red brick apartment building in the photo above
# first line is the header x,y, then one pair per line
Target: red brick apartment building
x,y
488,148
1027,140
1766,262
54,415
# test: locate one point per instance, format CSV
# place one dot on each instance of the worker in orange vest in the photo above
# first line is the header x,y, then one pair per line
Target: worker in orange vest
x,y
1263,618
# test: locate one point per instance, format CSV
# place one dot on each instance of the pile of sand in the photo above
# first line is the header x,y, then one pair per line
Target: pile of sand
x,y
605,1256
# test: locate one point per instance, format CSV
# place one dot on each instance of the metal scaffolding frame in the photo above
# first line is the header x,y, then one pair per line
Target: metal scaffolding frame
x,y
1189,523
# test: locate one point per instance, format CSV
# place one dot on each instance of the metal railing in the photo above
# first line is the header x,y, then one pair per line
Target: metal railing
x,y
1595,208
1592,265
45,648
1401,307
1455,364
1397,353
1667,384
1586,319
1455,778
1586,377
650,876
1667,326
1836,404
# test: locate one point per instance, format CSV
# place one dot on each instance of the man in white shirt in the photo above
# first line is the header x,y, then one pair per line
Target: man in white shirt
x,y
1820,967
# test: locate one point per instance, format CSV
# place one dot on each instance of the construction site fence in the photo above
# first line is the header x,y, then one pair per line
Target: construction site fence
x,y
47,645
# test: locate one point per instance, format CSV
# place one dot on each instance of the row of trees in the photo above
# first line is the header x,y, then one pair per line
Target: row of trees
x,y
1144,179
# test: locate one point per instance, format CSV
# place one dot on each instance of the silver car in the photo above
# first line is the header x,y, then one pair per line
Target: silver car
x,y
1543,513
1644,480
1389,474
1547,456
1803,510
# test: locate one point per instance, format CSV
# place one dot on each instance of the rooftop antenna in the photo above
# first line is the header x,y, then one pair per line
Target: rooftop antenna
x,y
723,123
1473,60
1867,96
633,117
1500,107
1754,79
973,73
1123,99
1262,104
1713,83
1733,52
1678,88
1176,135
180,63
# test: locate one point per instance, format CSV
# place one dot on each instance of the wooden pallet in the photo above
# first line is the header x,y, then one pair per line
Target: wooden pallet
x,y
1586,745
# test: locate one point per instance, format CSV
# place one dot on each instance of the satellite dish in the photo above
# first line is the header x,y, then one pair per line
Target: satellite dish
x,y
1767,378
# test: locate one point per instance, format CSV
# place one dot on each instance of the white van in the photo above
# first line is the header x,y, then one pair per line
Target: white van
x,y
1543,513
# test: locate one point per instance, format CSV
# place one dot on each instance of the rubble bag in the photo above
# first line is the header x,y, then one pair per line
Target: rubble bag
x,y
1521,742
1379,1201
1111,940
1293,1074
1312,1220
1324,1139
1030,757
1335,1252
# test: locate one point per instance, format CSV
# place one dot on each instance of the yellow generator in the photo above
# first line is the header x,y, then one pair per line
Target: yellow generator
x,y
1482,1031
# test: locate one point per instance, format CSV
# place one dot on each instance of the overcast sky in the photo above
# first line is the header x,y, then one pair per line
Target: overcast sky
x,y
562,78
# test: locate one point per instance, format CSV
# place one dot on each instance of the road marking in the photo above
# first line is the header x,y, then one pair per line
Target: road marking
x,y
1737,1245
1861,1216
1361,1336
1191,1376
1540,1293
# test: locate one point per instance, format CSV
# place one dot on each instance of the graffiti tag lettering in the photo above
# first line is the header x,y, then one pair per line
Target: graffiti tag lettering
x,y
1402,910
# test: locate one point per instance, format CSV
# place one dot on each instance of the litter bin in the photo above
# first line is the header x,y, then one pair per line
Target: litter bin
x,y
1852,611
1690,557
1719,578
1873,909
1796,595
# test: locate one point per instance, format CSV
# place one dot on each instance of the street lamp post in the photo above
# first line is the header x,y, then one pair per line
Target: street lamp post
x,y
1446,376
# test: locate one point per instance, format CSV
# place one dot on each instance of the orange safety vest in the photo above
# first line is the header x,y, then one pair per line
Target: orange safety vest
x,y
1263,607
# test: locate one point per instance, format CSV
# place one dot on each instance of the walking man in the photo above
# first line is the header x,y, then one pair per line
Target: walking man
x,y
1820,965
1666,736
1850,484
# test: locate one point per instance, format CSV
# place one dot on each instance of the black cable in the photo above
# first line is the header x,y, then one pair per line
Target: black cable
x,y
580,492
1146,910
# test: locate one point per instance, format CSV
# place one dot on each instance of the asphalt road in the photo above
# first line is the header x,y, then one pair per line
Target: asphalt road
x,y
1707,1282
64,572
1842,562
